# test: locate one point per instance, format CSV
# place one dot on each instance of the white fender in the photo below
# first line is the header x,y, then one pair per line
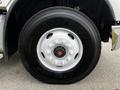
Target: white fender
x,y
115,7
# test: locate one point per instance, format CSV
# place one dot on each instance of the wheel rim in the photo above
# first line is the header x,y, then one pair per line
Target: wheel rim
x,y
59,49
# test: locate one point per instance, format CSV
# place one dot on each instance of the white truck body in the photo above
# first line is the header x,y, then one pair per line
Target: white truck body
x,y
5,5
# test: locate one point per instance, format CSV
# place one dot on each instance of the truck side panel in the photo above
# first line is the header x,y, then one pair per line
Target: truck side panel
x,y
115,7
2,20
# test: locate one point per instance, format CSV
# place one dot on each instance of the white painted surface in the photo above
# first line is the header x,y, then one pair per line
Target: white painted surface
x,y
115,5
10,4
4,4
2,19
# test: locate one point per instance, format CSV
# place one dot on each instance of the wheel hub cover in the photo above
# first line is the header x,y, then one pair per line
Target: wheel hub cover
x,y
59,49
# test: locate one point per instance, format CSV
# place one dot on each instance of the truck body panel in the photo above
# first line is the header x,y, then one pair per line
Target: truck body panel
x,y
115,7
2,21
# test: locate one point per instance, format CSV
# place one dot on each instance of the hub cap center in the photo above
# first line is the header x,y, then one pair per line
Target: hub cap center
x,y
59,52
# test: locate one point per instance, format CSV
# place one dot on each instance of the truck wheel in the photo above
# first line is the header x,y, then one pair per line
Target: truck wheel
x,y
59,45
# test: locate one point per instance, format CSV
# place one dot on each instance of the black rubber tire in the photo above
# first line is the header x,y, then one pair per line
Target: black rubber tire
x,y
63,17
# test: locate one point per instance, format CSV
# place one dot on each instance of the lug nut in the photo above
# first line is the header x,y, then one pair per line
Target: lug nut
x,y
69,45
48,52
64,41
69,59
56,41
51,45
71,52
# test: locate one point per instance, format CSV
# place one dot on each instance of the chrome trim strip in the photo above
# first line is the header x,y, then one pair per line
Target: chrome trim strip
x,y
2,21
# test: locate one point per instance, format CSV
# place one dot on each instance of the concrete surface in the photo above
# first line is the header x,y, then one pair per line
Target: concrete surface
x,y
106,75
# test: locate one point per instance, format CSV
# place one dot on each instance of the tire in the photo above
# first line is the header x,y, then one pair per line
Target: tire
x,y
62,17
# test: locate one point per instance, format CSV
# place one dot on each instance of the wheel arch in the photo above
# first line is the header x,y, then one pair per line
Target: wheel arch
x,y
11,33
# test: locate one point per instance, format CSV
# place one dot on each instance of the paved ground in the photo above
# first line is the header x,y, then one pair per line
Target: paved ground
x,y
106,76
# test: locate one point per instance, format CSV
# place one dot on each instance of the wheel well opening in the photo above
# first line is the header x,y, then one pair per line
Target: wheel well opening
x,y
97,10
